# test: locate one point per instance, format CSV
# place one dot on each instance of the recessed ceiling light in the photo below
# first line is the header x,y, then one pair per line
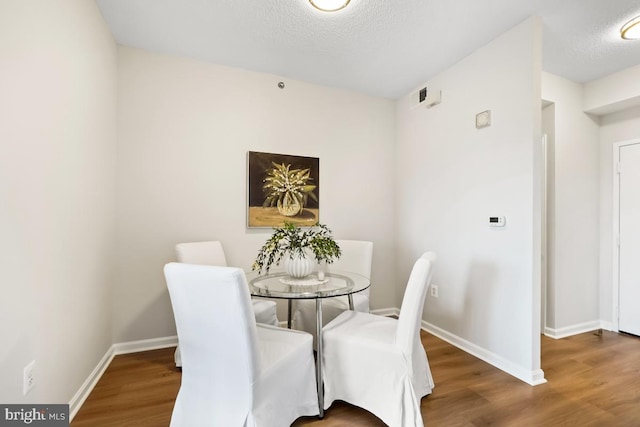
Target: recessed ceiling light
x,y
329,5
631,30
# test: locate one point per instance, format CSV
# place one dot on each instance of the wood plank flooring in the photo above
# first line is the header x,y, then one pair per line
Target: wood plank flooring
x,y
592,381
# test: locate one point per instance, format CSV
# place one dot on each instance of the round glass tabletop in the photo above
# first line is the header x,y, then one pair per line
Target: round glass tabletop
x,y
281,285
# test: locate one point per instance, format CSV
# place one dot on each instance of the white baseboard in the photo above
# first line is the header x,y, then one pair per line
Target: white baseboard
x,y
386,312
85,389
535,377
530,377
606,325
116,349
144,345
568,331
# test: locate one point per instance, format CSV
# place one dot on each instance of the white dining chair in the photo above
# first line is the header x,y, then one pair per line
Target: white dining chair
x,y
356,257
236,372
378,363
212,253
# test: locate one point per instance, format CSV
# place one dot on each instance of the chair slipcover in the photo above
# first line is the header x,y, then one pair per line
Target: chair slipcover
x,y
356,258
379,363
211,253
235,373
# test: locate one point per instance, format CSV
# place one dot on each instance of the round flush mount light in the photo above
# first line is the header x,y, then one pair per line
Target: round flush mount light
x,y
631,30
329,5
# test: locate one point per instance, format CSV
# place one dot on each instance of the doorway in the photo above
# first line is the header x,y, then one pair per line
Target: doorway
x,y
547,306
626,218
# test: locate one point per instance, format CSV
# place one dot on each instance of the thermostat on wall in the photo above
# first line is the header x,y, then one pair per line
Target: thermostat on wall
x,y
497,221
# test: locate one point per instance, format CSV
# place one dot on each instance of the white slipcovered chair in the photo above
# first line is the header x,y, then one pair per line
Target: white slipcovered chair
x,y
211,253
378,363
236,372
356,258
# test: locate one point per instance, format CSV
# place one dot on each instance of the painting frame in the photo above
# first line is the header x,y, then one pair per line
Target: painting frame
x,y
270,203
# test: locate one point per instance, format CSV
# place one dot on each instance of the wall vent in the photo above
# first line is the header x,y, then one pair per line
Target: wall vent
x,y
425,97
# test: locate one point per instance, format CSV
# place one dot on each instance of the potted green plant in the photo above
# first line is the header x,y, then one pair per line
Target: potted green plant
x,y
299,247
287,189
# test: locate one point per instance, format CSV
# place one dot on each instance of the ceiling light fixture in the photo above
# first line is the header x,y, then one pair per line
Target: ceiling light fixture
x,y
631,30
329,5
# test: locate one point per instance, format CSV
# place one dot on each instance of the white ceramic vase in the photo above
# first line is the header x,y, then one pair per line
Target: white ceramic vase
x,y
299,266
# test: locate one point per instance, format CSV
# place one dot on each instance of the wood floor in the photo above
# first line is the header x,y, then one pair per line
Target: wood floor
x,y
592,381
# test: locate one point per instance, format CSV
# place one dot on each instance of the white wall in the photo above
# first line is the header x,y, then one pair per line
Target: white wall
x,y
617,127
615,98
451,177
613,93
57,192
185,128
574,217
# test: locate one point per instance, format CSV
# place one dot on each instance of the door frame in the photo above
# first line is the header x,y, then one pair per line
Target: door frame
x,y
545,230
615,263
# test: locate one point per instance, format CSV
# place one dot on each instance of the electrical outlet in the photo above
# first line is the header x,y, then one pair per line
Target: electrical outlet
x,y
28,380
434,291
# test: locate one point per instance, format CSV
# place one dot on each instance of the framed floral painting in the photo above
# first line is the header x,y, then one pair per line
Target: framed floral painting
x,y
282,188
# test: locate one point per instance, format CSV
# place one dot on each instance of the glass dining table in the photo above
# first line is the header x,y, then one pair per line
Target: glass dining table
x,y
333,284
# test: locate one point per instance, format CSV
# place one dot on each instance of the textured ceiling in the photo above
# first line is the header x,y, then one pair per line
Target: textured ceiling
x,y
379,47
